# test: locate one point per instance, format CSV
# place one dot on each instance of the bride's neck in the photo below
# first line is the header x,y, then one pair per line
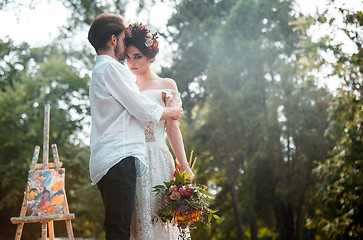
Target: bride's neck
x,y
145,77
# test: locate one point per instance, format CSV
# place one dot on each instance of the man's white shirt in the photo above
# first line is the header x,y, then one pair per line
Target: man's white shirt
x,y
119,113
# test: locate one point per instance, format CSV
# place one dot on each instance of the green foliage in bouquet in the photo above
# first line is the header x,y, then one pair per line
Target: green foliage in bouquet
x,y
184,202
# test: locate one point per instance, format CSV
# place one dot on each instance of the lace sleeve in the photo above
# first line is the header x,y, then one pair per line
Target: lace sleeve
x,y
173,98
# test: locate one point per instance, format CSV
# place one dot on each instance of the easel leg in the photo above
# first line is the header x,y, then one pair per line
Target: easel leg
x,y
19,230
44,230
68,222
51,230
69,229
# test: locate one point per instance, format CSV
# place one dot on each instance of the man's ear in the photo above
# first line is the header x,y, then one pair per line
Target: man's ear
x,y
113,39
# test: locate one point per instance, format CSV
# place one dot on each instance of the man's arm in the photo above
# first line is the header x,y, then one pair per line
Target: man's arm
x,y
126,92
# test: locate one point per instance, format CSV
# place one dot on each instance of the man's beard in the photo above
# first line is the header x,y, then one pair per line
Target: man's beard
x,y
119,54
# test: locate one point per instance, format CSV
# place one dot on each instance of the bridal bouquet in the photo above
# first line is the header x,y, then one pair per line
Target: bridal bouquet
x,y
184,202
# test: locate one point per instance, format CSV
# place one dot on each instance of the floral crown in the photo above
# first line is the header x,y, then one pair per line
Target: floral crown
x,y
139,33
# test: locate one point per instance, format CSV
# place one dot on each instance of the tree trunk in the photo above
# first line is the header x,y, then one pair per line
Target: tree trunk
x,y
253,229
237,214
297,225
290,219
285,221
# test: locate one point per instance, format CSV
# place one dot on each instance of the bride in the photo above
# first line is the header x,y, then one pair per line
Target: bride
x,y
142,48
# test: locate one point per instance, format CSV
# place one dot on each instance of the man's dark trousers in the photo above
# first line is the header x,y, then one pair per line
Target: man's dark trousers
x,y
118,189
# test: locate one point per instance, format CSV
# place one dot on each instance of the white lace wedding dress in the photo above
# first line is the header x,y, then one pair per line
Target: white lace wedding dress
x,y
161,167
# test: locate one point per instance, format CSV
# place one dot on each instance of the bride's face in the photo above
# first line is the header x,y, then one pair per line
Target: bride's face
x,y
137,62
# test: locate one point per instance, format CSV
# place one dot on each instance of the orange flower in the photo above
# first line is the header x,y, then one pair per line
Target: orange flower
x,y
184,202
187,217
176,170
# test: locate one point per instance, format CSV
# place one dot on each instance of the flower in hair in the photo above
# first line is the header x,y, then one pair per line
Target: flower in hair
x,y
139,33
149,42
128,33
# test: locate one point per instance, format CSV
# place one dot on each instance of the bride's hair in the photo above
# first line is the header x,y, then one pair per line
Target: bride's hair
x,y
139,36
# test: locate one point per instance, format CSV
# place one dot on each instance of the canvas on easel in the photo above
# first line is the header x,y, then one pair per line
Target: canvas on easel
x,y
45,198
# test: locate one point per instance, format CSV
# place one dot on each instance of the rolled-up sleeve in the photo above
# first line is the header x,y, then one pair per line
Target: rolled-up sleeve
x,y
120,85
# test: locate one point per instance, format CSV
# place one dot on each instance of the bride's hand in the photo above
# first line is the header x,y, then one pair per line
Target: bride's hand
x,y
191,177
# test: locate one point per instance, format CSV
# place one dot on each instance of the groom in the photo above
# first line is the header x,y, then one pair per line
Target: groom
x,y
119,113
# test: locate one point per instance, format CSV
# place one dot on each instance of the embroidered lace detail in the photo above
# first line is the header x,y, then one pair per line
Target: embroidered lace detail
x,y
174,98
144,225
149,132
160,163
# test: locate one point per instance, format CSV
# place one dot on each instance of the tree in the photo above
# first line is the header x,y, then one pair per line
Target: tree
x,y
257,150
238,114
29,79
192,28
339,216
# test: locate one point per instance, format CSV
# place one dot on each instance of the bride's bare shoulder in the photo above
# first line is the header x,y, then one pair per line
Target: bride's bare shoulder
x,y
169,83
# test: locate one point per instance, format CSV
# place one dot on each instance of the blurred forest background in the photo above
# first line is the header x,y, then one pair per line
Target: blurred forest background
x,y
281,150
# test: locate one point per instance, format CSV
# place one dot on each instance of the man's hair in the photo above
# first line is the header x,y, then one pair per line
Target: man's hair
x,y
102,28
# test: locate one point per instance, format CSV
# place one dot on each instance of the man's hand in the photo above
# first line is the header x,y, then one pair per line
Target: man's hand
x,y
172,113
176,113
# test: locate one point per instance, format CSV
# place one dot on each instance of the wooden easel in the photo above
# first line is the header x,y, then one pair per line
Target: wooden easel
x,y
45,198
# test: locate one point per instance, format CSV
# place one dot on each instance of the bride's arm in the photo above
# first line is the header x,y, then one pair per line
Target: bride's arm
x,y
174,135
176,142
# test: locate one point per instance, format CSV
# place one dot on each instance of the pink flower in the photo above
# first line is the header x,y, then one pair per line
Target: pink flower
x,y
182,191
149,42
142,27
190,191
173,188
128,32
175,195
